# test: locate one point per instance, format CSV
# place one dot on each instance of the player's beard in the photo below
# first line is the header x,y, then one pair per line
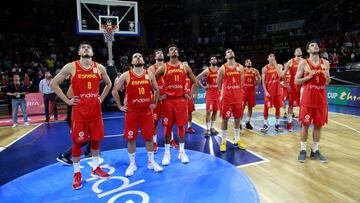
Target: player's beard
x,y
213,64
248,66
86,56
138,65
231,58
160,59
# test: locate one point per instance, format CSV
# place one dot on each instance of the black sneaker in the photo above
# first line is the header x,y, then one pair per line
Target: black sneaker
x,y
213,131
302,156
278,128
65,159
87,154
264,129
248,126
317,156
240,126
207,133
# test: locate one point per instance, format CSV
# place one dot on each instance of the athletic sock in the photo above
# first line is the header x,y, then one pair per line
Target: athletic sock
x,y
223,134
303,145
150,157
76,167
207,126
181,147
237,134
315,146
167,148
96,161
189,124
132,158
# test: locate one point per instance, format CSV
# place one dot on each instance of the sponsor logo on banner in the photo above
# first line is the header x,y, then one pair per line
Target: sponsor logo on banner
x,y
343,95
34,104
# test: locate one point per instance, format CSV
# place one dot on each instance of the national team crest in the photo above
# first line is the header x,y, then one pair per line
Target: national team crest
x,y
81,135
95,70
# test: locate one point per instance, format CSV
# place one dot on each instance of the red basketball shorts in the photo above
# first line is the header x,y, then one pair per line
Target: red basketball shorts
x,y
82,131
174,112
317,116
142,119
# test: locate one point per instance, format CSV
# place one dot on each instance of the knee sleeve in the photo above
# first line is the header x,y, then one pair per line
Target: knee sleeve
x,y
167,131
95,145
277,112
266,112
181,131
76,150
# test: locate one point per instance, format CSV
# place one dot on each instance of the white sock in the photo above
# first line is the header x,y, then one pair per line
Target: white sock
x,y
277,121
155,138
172,135
132,158
182,147
76,167
223,134
189,124
266,122
96,161
303,145
207,126
167,148
248,119
290,119
237,134
150,157
315,146
212,124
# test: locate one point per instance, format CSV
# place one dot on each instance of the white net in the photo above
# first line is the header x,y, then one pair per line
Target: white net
x,y
109,31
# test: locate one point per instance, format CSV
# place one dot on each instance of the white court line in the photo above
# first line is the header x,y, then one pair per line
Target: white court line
x,y
22,136
344,125
251,152
113,117
2,148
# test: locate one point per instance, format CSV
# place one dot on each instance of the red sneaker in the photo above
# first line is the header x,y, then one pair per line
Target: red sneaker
x,y
77,183
99,173
190,130
289,127
155,147
174,144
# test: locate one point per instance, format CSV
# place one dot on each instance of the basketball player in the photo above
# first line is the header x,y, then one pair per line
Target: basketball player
x,y
141,95
313,74
212,96
87,122
190,96
294,90
230,83
286,88
174,102
252,81
271,75
157,112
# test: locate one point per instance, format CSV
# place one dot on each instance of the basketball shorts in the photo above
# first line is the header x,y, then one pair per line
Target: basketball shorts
x,y
317,116
249,99
273,101
190,106
142,119
212,104
174,112
294,98
228,110
157,111
82,131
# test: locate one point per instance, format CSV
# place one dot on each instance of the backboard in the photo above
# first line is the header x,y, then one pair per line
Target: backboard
x,y
92,14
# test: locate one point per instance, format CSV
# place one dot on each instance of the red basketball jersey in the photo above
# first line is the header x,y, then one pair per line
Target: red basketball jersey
x,y
314,90
138,91
85,85
174,80
231,89
160,80
293,70
249,80
212,89
188,86
272,81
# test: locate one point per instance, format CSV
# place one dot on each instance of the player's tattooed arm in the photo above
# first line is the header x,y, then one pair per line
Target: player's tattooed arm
x,y
204,73
327,72
119,85
107,82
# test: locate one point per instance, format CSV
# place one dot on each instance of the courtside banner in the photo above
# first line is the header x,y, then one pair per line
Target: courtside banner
x,y
343,95
34,103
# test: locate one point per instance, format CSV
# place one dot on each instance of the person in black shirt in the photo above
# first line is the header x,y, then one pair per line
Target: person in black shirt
x,y
16,90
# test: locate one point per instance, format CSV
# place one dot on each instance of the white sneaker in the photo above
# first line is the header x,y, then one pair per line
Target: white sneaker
x,y
183,157
26,123
166,159
130,170
154,166
14,125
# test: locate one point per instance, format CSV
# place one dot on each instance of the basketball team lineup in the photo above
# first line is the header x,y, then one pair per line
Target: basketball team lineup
x,y
164,127
166,92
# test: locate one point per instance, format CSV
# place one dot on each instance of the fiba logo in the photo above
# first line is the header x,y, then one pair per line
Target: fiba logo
x,y
166,120
155,116
130,134
211,107
81,135
307,117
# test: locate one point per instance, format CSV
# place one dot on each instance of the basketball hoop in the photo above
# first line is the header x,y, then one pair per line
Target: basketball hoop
x,y
109,31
